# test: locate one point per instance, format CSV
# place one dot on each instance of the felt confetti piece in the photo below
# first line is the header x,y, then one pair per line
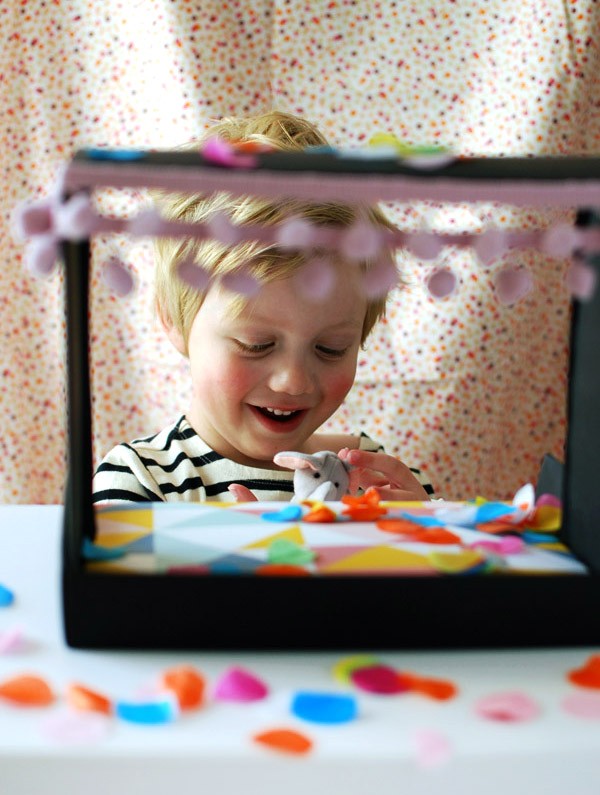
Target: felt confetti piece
x,y
329,708
424,245
221,153
560,240
193,275
7,597
241,282
343,669
147,712
509,707
379,679
456,562
504,545
281,570
546,518
76,728
582,705
288,514
432,748
223,230
186,683
361,241
320,514
380,279
27,691
288,741
364,513
442,283
403,527
237,684
82,698
75,219
588,675
438,689
281,550
315,280
294,233
533,537
548,499
424,521
41,256
11,640
92,551
31,219
490,246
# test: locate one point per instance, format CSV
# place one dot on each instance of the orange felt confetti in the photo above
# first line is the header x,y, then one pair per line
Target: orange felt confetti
x,y
281,570
402,527
370,497
320,514
439,689
187,685
364,513
82,698
27,690
286,740
589,675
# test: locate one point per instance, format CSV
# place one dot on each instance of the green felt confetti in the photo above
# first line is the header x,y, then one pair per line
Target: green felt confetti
x,y
281,550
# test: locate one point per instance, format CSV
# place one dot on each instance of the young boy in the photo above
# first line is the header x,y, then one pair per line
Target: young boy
x,y
266,371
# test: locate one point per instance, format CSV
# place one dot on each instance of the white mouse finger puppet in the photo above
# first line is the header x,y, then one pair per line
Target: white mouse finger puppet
x,y
321,476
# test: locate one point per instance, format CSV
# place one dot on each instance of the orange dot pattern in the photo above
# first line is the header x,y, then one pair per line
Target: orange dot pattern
x,y
470,391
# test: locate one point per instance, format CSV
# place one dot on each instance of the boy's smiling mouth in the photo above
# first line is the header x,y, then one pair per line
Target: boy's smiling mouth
x,y
279,419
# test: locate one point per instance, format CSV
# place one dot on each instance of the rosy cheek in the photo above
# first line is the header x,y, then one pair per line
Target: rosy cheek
x,y
339,386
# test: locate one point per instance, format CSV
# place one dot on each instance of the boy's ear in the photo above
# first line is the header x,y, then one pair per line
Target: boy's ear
x,y
174,335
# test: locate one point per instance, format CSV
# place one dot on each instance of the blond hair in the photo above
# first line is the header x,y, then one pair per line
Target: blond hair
x,y
178,303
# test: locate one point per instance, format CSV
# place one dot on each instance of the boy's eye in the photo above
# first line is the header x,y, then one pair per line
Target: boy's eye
x,y
256,348
331,353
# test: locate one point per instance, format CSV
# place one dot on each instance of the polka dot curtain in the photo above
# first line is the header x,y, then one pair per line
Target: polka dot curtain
x,y
468,389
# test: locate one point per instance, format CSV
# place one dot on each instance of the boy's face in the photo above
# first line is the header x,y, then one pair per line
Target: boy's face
x,y
265,380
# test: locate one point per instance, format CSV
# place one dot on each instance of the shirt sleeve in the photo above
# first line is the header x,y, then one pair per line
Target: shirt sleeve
x,y
123,477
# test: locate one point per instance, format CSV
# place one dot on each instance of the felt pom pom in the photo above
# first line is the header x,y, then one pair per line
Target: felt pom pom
x,y
295,233
41,255
490,246
560,240
117,277
361,241
193,275
581,280
424,245
241,282
148,223
442,283
223,230
380,279
512,284
75,219
32,218
315,280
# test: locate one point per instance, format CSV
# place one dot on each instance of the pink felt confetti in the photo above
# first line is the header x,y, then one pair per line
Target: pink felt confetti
x,y
11,640
76,728
237,684
581,280
32,218
504,545
442,283
117,277
315,280
223,230
508,707
379,279
548,499
379,679
220,152
41,255
361,241
424,245
147,223
560,240
512,284
490,246
432,748
241,282
295,233
193,274
582,705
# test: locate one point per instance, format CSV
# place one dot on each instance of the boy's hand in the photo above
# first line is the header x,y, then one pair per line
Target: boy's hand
x,y
392,479
241,493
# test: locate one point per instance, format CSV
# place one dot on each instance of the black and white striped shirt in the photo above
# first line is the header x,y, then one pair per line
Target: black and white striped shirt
x,y
177,465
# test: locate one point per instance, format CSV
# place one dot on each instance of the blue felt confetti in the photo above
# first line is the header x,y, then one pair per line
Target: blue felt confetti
x,y
530,537
91,551
424,521
490,511
115,154
324,707
290,513
7,597
147,712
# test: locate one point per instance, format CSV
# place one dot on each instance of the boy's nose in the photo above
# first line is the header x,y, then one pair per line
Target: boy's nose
x,y
292,378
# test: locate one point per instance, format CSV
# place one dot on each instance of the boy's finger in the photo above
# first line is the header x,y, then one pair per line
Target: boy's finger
x,y
241,493
391,468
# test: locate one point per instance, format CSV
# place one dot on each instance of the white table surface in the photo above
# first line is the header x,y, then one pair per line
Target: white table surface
x,y
211,750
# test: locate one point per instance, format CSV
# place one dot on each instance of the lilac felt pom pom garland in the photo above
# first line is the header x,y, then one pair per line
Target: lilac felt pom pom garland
x,y
44,224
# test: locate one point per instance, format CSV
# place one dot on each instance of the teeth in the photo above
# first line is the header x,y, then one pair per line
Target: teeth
x,y
278,412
